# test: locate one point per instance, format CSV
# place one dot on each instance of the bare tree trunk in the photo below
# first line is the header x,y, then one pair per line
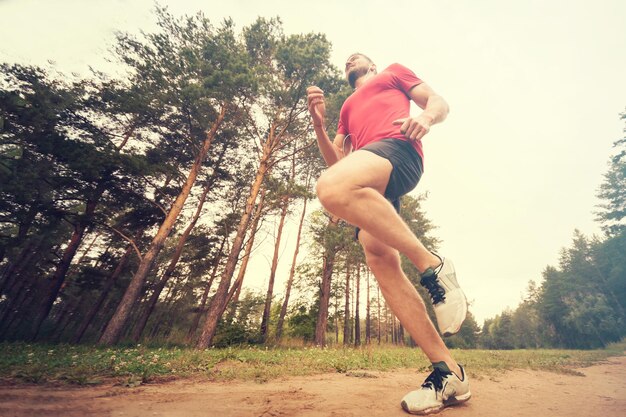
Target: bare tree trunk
x,y
207,289
116,325
387,325
378,305
400,334
59,324
265,321
12,270
16,288
57,279
235,291
392,321
336,318
292,272
15,263
357,317
26,295
69,307
154,298
167,315
84,325
60,273
196,320
219,301
346,310
327,273
368,317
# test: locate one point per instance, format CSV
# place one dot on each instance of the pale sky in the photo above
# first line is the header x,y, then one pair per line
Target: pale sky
x,y
535,90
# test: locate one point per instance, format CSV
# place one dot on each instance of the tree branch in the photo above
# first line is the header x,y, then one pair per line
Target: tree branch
x,y
126,238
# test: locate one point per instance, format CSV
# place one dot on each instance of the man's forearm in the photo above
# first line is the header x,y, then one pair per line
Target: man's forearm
x,y
436,109
327,149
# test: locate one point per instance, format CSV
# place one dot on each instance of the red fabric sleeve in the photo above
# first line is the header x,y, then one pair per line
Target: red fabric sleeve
x,y
340,129
405,78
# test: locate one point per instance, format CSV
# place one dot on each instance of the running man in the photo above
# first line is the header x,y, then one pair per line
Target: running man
x,y
364,188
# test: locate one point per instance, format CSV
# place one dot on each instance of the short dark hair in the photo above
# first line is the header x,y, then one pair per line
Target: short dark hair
x,y
363,55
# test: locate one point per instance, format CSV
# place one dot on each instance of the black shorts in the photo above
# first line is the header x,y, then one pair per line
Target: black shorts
x,y
406,172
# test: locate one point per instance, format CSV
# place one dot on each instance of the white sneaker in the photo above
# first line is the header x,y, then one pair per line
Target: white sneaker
x,y
441,389
448,299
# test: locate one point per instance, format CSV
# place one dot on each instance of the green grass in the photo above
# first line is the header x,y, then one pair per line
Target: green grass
x,y
131,366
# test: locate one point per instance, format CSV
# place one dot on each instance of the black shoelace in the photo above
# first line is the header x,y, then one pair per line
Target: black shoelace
x,y
431,283
435,379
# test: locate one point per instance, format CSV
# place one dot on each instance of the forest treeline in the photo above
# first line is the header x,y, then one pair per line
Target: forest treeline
x,y
581,303
130,207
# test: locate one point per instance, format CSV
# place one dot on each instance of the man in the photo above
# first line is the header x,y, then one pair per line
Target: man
x,y
364,188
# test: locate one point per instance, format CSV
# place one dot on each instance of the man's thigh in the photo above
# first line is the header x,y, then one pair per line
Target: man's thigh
x,y
360,169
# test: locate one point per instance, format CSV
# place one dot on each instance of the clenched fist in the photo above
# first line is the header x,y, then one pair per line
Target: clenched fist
x,y
317,107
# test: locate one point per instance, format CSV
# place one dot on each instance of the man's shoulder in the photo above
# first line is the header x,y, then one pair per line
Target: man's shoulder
x,y
396,67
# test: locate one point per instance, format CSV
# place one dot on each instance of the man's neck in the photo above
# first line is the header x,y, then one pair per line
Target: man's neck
x,y
364,79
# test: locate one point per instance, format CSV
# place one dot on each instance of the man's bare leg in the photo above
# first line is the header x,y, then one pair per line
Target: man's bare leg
x,y
353,189
404,300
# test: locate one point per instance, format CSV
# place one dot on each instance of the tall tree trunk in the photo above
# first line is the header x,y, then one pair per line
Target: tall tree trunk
x,y
110,282
166,315
235,291
327,273
378,305
24,294
207,289
270,287
60,273
357,318
74,310
346,311
116,325
13,268
156,292
400,334
20,239
368,317
387,325
58,278
392,326
292,273
219,301
14,286
336,318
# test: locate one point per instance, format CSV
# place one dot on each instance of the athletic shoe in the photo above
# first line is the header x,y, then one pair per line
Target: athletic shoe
x,y
449,302
441,389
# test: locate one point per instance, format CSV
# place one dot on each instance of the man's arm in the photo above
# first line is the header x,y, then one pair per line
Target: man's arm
x,y
331,151
435,111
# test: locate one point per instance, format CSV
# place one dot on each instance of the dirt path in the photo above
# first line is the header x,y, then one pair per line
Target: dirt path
x,y
600,392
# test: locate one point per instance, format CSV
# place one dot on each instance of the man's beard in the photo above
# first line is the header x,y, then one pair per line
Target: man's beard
x,y
355,74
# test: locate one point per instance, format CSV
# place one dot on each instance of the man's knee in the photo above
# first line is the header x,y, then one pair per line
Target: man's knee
x,y
329,192
379,255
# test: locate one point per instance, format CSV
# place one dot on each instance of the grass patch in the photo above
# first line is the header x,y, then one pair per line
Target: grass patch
x,y
132,366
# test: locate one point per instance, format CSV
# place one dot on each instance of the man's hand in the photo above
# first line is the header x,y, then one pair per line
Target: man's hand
x,y
317,108
414,128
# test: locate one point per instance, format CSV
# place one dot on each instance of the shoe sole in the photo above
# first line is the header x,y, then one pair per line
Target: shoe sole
x,y
457,399
450,401
452,333
455,331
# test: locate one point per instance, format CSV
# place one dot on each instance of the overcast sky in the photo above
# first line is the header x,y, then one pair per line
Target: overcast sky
x,y
535,89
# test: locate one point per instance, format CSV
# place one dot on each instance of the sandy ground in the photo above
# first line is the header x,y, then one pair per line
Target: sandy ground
x,y
600,392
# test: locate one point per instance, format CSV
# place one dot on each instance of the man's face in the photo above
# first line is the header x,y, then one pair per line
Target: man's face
x,y
356,67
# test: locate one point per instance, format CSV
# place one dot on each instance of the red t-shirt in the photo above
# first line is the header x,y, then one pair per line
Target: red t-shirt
x,y
367,115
